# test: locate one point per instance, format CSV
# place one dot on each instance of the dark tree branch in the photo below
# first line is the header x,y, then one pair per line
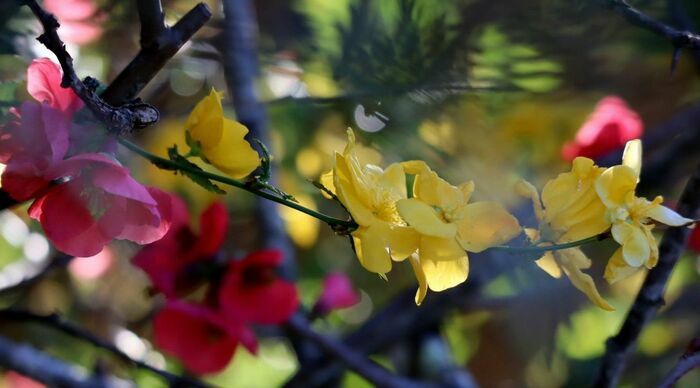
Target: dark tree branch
x,y
29,361
679,39
650,296
119,120
688,361
241,68
156,50
54,321
59,261
152,21
371,371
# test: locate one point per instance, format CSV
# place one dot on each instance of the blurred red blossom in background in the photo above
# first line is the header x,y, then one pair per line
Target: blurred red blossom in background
x,y
608,128
338,293
80,19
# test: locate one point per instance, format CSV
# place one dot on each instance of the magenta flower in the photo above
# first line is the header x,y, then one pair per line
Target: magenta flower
x,y
611,125
99,203
337,293
199,337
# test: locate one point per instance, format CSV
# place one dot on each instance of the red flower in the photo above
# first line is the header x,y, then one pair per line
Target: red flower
x,y
199,337
99,203
337,293
608,128
165,261
252,292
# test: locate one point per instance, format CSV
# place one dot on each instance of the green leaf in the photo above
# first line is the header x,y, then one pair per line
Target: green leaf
x,y
205,183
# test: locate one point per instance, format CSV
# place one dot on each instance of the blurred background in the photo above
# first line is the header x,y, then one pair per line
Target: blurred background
x,y
482,90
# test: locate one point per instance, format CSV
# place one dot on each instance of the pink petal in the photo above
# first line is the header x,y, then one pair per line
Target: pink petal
x,y
44,84
337,293
145,224
213,229
71,9
68,223
93,267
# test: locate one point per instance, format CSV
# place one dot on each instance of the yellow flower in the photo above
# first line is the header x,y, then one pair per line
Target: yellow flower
x,y
370,194
448,226
632,216
221,140
569,210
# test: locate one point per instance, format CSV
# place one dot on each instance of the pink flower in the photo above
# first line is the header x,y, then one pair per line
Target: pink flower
x,y
337,293
31,144
199,337
44,84
99,203
608,128
251,291
80,19
166,262
92,267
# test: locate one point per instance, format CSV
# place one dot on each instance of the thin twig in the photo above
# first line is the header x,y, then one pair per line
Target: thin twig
x,y
650,296
679,39
46,369
370,370
54,321
688,361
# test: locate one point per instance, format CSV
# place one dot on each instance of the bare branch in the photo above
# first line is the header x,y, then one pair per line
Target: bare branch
x,y
373,372
679,39
41,367
54,321
155,51
152,21
650,296
688,361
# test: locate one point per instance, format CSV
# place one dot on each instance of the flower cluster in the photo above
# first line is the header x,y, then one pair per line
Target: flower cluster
x,y
591,200
434,228
83,200
212,299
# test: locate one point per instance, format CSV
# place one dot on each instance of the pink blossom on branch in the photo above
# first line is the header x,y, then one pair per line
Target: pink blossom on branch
x,y
338,293
44,84
608,128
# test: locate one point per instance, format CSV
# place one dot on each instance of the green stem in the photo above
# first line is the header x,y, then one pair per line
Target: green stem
x,y
553,247
333,222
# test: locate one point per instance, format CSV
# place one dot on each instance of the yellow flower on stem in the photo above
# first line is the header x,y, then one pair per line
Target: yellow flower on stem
x,y
221,140
568,211
448,226
370,194
631,216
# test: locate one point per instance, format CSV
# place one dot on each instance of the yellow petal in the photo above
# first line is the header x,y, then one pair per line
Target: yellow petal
x,y
632,156
568,259
347,193
441,274
617,269
482,225
615,184
435,191
403,241
372,251
205,122
233,154
420,276
438,248
666,216
527,190
424,219
548,264
636,248
393,180
532,234
654,254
